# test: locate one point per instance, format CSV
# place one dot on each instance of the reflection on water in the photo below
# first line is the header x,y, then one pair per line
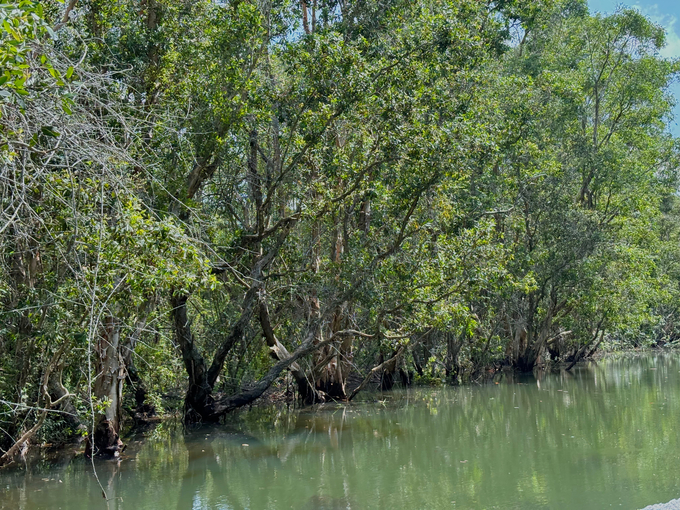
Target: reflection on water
x,y
601,436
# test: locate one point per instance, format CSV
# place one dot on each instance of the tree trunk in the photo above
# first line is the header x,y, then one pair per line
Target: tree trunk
x,y
109,386
308,393
581,352
453,347
333,363
45,402
527,359
534,335
198,402
227,404
389,372
143,410
386,366
58,393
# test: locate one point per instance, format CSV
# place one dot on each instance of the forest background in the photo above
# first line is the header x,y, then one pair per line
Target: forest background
x,y
204,199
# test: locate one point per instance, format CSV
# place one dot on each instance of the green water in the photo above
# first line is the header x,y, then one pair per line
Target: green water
x,y
603,436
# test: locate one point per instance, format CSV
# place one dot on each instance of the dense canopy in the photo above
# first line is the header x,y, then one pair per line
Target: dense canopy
x,y
202,200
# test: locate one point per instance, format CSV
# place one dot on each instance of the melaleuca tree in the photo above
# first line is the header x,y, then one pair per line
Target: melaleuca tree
x,y
587,165
369,187
319,185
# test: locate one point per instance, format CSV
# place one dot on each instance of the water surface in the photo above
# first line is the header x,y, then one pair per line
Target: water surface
x,y
601,436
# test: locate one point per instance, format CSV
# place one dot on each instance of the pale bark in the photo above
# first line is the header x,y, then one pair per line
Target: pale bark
x,y
279,352
109,386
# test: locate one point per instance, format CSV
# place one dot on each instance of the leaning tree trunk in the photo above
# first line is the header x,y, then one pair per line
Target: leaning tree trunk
x,y
386,366
44,405
278,351
199,403
584,352
58,393
108,386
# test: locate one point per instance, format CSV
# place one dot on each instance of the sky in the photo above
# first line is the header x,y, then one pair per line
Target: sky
x,y
667,14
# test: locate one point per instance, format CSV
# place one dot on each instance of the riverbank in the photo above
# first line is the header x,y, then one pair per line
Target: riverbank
x,y
280,398
602,434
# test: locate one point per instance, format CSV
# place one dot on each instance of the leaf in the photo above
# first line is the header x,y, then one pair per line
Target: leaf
x,y
49,131
66,104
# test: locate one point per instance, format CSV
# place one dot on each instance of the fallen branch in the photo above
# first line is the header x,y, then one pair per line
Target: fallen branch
x,y
227,404
388,364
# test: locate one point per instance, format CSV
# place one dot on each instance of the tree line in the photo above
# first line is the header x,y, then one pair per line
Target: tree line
x,y
203,199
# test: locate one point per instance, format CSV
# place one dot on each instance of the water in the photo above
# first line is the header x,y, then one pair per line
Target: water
x,y
603,436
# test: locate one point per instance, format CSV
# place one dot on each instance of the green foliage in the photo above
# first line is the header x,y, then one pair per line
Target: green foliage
x,y
465,184
22,26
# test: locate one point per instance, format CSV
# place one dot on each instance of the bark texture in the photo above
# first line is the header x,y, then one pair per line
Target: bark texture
x,y
109,386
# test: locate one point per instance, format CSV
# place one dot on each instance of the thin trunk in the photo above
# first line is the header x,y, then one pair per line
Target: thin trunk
x,y
580,353
453,347
305,16
255,184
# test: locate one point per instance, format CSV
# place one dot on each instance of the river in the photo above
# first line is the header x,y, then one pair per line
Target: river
x,y
605,435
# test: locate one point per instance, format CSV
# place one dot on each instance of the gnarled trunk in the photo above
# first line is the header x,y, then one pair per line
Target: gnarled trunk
x,y
333,363
198,402
532,334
